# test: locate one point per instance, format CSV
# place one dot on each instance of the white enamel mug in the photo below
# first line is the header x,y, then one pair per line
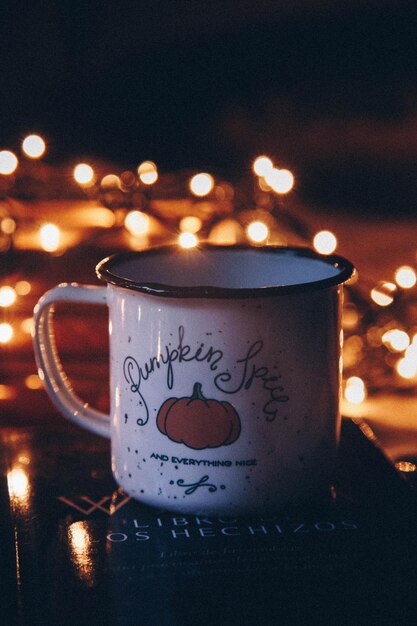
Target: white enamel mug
x,y
224,374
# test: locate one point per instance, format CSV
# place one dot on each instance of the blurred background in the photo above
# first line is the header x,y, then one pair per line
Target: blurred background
x,y
328,88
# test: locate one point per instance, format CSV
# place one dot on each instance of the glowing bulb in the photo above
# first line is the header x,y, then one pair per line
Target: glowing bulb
x,y
33,146
7,296
6,332
281,181
407,368
201,184
190,224
405,277
383,293
8,162
33,382
262,165
355,390
18,483
258,231
325,242
50,237
397,340
148,172
84,174
23,287
8,225
110,181
137,223
188,240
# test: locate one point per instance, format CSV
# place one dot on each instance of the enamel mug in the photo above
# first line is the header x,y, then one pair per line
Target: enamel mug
x,y
224,374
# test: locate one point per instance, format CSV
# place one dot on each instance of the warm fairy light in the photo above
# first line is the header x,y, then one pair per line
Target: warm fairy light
x,y
7,296
201,184
407,368
110,181
8,162
382,294
148,172
137,223
22,287
188,240
50,237
84,174
405,277
190,224
7,392
27,325
33,382
257,231
33,146
8,225
6,332
396,340
281,181
355,390
325,242
262,165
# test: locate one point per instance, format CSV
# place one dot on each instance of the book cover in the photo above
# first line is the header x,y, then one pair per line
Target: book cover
x,y
75,549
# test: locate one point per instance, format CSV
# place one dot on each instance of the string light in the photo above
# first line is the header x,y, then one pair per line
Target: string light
x,y
84,175
383,293
137,223
325,242
148,172
50,237
6,332
188,240
262,165
8,162
280,181
405,277
355,390
201,184
257,231
33,146
7,296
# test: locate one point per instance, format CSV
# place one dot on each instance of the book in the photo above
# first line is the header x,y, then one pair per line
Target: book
x,y
75,549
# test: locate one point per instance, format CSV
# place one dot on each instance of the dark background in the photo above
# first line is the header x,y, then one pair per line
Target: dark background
x,y
326,88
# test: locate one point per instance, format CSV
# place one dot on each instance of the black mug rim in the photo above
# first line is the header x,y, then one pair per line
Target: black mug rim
x,y
105,271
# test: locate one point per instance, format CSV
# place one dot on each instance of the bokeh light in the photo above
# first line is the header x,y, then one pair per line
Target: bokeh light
x,y
6,332
23,287
84,174
280,181
405,277
7,296
33,146
148,172
137,223
33,382
50,237
8,162
396,340
262,165
383,293
8,225
188,240
201,184
355,390
325,242
190,224
407,368
257,231
110,181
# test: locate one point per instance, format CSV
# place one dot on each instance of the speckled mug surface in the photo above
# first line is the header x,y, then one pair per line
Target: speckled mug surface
x,y
224,374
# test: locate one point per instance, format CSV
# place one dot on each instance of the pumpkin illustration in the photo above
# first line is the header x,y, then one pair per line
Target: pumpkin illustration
x,y
198,422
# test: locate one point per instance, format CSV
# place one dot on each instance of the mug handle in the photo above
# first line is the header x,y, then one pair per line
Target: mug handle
x,y
49,365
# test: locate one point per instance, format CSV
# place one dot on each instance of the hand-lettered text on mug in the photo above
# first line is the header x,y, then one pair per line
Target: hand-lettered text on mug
x,y
177,460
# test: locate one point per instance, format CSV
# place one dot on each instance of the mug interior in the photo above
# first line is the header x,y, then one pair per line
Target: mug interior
x,y
222,271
